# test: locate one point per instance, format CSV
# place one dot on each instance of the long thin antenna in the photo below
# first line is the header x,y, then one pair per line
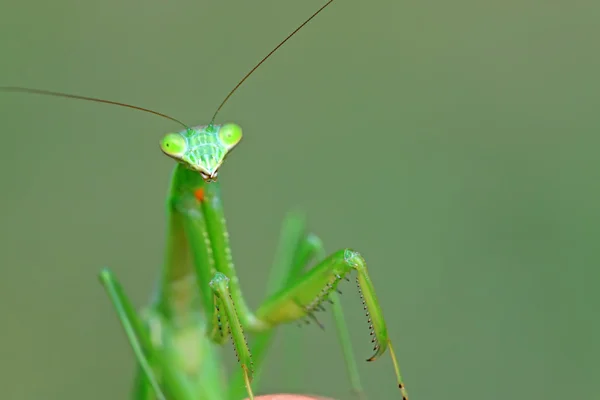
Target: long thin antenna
x,y
73,96
265,58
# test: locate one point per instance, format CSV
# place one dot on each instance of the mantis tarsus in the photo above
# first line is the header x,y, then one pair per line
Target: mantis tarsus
x,y
199,303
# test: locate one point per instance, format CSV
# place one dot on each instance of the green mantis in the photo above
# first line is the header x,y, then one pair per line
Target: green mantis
x,y
199,304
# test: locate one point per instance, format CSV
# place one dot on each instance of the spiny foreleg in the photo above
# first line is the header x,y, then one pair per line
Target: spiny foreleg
x,y
307,295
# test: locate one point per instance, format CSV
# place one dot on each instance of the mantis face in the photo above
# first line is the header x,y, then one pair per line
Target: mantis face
x,y
202,148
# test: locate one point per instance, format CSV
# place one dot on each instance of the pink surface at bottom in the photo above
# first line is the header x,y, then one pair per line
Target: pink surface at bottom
x,y
290,397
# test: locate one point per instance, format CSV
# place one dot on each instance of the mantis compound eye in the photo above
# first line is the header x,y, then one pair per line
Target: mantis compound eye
x,y
230,135
173,144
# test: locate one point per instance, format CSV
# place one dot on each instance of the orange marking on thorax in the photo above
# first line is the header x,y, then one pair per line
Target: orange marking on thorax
x,y
199,194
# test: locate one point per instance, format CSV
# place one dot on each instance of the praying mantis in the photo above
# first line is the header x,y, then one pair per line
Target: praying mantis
x,y
199,305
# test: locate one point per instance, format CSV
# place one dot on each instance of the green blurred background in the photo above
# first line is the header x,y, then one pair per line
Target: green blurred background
x,y
453,143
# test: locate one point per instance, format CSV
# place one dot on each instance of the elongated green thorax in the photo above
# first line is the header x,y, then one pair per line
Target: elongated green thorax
x,y
202,148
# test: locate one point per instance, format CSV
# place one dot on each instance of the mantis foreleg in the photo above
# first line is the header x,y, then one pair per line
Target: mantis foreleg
x,y
313,248
307,294
224,307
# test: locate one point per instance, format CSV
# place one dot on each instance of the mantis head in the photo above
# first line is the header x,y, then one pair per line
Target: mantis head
x,y
202,148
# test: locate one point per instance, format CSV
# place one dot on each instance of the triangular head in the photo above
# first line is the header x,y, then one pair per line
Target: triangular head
x,y
202,148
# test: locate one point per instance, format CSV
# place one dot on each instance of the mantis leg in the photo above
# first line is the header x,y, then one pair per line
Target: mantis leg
x,y
314,246
149,357
227,322
306,295
290,258
295,251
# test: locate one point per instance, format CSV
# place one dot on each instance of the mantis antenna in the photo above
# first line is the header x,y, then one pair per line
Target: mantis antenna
x,y
116,103
73,96
265,58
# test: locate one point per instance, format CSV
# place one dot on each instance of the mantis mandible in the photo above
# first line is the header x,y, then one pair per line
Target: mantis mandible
x,y
199,303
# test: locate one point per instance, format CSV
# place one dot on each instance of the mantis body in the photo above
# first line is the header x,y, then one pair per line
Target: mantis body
x,y
199,303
